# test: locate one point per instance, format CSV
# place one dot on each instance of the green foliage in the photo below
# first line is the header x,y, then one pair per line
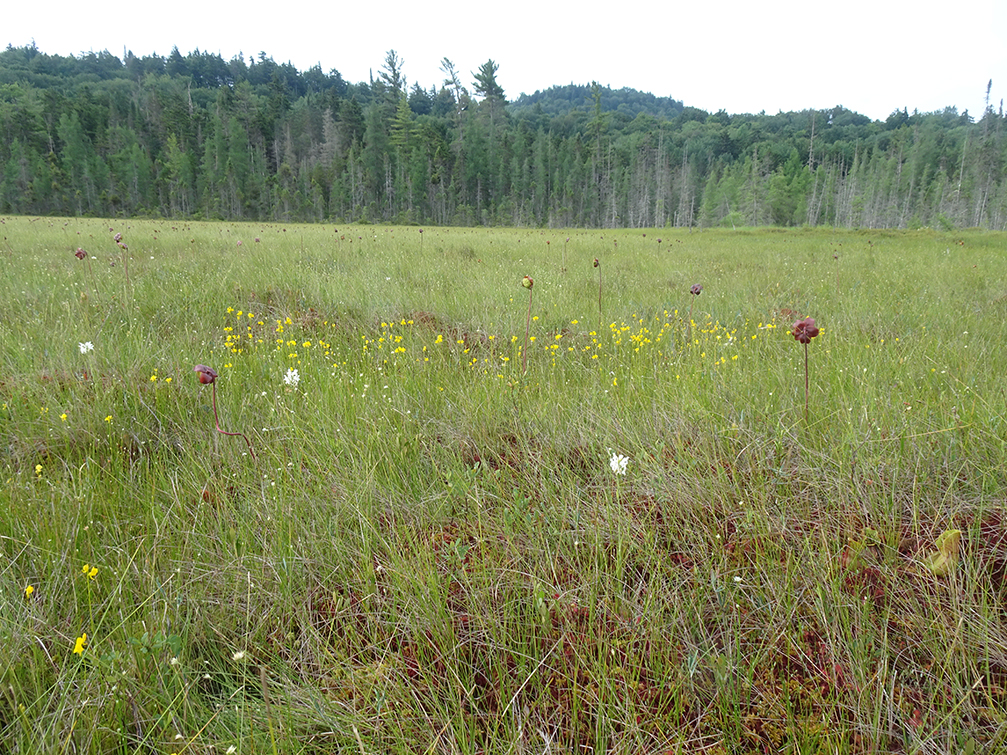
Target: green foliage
x,y
485,84
192,135
561,100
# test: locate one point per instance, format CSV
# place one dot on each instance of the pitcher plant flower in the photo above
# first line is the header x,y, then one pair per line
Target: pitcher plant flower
x,y
695,290
803,331
206,375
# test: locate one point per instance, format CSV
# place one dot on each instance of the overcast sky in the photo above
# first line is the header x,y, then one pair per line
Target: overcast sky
x,y
871,56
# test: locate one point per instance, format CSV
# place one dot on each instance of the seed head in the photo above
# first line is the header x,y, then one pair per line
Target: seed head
x,y
596,263
696,289
80,253
527,282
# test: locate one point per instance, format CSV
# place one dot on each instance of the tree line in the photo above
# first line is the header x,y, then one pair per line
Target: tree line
x,y
195,136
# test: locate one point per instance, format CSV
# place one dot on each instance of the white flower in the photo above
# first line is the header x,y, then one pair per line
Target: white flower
x,y
239,655
292,378
85,347
618,462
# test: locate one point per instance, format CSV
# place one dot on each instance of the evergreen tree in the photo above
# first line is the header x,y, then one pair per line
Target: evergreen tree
x,y
190,135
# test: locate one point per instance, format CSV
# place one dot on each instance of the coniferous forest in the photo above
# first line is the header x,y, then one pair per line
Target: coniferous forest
x,y
195,136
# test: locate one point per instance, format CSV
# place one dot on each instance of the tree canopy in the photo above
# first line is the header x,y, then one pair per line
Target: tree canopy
x,y
192,135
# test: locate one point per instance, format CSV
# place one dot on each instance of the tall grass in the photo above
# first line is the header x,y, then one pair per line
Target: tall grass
x,y
430,552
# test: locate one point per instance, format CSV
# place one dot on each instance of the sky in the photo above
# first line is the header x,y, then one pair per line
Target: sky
x,y
870,56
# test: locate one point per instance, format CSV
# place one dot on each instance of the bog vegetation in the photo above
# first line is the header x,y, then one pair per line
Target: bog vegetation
x,y
594,513
195,136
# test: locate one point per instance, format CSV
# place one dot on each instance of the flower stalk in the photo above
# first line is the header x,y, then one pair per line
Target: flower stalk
x,y
83,256
125,255
597,264
528,283
208,375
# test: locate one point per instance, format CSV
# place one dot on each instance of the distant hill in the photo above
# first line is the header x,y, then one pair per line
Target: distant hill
x,y
558,100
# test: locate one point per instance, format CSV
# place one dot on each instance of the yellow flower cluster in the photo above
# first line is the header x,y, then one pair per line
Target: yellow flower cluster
x,y
662,339
245,331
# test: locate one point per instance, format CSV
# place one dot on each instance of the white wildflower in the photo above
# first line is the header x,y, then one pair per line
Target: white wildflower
x,y
292,378
618,462
85,347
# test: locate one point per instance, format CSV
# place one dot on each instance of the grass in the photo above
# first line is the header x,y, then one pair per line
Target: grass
x,y
430,553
